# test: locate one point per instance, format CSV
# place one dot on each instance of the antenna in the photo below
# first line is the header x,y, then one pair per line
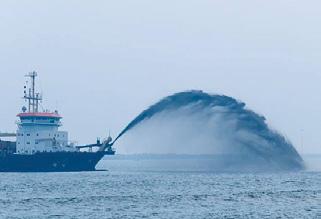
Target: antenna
x,y
32,97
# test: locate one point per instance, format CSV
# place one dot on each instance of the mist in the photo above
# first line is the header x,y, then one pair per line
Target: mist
x,y
198,123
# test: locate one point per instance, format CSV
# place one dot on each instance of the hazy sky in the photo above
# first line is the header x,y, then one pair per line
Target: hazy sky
x,y
103,62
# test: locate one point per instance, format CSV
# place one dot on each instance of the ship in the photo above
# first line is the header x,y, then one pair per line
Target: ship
x,y
39,145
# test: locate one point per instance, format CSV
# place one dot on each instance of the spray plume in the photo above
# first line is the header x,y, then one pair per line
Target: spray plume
x,y
220,124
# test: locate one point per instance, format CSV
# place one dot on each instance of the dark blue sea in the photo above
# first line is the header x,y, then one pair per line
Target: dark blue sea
x,y
154,187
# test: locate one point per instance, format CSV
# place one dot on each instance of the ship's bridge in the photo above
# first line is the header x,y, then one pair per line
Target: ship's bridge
x,y
39,118
39,131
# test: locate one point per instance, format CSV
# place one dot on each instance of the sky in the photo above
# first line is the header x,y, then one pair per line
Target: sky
x,y
100,63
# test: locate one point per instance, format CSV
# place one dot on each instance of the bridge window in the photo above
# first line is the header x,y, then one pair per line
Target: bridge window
x,y
28,142
28,134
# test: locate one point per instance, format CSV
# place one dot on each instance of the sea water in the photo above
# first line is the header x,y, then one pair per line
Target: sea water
x,y
158,187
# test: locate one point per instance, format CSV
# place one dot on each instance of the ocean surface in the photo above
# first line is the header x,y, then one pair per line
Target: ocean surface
x,y
153,187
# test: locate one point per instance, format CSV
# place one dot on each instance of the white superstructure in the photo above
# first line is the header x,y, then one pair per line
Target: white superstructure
x,y
39,131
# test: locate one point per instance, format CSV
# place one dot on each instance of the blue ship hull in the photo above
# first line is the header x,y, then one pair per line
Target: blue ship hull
x,y
51,162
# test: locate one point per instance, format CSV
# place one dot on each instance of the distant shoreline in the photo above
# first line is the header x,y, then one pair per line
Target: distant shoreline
x,y
184,156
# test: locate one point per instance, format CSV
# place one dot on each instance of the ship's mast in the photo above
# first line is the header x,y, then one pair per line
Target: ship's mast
x,y
32,97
